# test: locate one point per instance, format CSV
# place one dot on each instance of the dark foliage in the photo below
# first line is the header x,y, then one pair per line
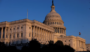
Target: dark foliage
x,y
34,46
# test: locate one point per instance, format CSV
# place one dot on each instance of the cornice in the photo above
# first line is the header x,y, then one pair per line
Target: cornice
x,y
37,22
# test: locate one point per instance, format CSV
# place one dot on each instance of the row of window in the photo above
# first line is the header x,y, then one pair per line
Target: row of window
x,y
17,28
53,16
13,35
61,31
54,23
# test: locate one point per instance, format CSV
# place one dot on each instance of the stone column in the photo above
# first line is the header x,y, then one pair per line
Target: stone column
x,y
45,35
5,32
83,44
20,31
16,32
62,30
2,33
65,31
34,32
80,43
38,33
50,36
42,35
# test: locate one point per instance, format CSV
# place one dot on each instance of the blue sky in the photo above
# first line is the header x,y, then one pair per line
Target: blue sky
x,y
74,13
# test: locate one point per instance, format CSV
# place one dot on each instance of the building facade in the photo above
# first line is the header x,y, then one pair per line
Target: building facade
x,y
88,47
52,28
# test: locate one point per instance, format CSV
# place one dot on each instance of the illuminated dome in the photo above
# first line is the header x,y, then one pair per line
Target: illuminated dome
x,y
54,20
53,14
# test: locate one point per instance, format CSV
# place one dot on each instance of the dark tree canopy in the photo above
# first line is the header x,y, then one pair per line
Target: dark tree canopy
x,y
34,46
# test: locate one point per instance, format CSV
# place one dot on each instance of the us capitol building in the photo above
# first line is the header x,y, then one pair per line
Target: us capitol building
x,y
52,28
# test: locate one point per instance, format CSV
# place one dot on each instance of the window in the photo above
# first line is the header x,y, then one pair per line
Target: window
x,y
3,35
69,40
10,35
14,36
55,22
21,27
55,30
17,35
14,28
21,34
10,29
58,30
17,27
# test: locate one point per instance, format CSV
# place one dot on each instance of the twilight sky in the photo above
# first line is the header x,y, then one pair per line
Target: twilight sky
x,y
74,13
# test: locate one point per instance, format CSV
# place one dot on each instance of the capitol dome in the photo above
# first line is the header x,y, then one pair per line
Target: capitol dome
x,y
53,14
54,20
